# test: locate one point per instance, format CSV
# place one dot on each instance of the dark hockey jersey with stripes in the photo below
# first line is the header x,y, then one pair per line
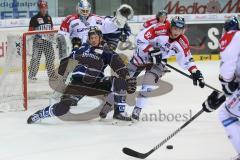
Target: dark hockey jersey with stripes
x,y
94,60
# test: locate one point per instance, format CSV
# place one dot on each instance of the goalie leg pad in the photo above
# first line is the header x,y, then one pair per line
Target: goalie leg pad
x,y
62,45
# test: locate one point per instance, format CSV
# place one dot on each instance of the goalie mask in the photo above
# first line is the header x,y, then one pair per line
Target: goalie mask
x,y
84,8
124,13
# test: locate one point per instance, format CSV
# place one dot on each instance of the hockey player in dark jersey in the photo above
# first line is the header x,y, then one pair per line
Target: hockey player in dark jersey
x,y
88,79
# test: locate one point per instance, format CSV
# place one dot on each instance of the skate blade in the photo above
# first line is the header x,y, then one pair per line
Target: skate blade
x,y
117,122
134,121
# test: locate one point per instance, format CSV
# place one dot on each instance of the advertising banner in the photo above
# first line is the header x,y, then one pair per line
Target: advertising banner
x,y
203,40
10,9
197,6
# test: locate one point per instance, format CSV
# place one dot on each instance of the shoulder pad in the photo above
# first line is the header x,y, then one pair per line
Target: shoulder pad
x,y
226,39
184,43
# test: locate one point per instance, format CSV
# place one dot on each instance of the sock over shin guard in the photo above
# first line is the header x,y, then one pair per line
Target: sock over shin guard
x,y
119,91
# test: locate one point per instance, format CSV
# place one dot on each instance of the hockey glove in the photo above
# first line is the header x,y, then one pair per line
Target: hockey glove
x,y
213,101
198,79
131,85
228,87
156,56
76,42
123,37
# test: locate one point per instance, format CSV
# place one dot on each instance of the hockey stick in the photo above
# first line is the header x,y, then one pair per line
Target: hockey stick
x,y
185,74
136,154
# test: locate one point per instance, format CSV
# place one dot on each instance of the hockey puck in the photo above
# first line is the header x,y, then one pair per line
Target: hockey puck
x,y
169,147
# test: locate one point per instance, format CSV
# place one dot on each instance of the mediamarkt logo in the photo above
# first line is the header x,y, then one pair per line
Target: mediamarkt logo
x,y
230,6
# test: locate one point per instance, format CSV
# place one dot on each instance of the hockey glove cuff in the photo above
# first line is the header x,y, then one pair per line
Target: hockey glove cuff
x,y
214,101
228,87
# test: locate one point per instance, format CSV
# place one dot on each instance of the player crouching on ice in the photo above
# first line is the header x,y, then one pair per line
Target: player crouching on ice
x,y
88,79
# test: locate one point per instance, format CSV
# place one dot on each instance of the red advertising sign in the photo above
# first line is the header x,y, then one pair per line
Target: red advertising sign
x,y
202,6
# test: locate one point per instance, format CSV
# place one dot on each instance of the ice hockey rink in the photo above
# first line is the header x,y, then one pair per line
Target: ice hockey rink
x,y
51,139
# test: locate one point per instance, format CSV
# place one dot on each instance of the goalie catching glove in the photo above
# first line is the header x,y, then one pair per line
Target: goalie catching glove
x,y
214,101
197,78
123,14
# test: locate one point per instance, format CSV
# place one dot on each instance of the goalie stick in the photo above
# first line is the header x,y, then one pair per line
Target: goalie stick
x,y
136,154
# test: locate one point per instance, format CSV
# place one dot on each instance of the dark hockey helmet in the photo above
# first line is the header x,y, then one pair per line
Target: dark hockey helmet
x,y
178,22
231,24
161,13
94,30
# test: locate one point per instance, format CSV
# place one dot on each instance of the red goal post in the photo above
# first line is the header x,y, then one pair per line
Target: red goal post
x,y
24,62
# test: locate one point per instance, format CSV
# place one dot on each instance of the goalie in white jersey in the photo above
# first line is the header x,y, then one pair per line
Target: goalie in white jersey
x,y
77,25
156,44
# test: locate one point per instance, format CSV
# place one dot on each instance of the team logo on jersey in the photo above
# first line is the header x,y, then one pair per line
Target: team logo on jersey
x,y
148,35
90,55
167,45
82,29
74,25
40,20
160,32
175,49
98,51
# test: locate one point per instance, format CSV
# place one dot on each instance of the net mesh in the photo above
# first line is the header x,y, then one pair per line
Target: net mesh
x,y
41,59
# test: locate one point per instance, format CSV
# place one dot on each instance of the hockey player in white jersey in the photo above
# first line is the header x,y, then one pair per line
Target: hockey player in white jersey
x,y
77,25
230,77
153,47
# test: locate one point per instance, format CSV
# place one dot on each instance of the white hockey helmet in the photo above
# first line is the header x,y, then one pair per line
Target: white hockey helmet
x,y
84,8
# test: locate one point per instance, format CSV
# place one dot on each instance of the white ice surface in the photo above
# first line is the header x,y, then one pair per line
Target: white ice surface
x,y
53,139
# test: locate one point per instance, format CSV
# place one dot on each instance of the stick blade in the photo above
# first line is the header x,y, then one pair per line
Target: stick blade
x,y
133,153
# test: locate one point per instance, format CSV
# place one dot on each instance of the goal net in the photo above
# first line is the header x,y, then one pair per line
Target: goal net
x,y
30,61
